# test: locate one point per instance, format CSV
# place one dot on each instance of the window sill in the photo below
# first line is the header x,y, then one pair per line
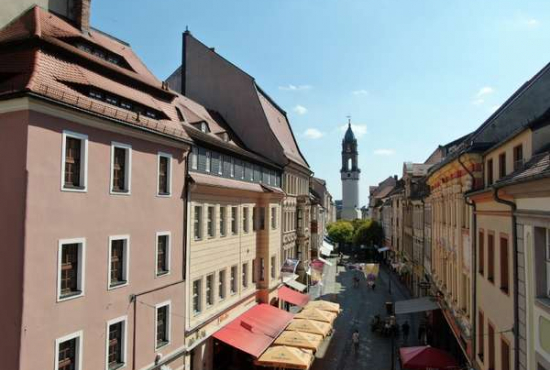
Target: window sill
x,y
117,366
120,192
161,344
74,189
543,303
69,296
163,273
164,195
117,285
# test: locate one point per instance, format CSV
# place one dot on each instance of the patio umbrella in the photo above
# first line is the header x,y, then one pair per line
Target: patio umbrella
x,y
426,357
324,306
309,326
285,357
299,339
316,314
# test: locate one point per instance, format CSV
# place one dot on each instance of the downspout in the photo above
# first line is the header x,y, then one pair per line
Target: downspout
x,y
513,208
472,204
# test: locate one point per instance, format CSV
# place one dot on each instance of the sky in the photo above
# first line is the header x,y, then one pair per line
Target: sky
x,y
412,74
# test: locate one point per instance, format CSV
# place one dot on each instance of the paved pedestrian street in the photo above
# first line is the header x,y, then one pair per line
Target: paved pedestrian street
x,y
359,305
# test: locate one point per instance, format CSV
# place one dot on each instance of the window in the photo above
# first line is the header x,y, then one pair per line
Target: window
x,y
233,280
163,253
118,261
504,275
121,164
481,257
69,352
273,267
220,165
209,290
116,343
504,354
244,273
518,157
163,324
70,269
208,160
491,349
197,296
254,267
210,221
74,162
223,215
234,220
245,219
501,165
221,285
262,218
490,172
197,223
491,257
232,168
195,158
164,174
481,335
262,269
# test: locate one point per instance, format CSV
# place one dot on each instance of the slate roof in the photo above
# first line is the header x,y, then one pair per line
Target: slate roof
x,y
536,168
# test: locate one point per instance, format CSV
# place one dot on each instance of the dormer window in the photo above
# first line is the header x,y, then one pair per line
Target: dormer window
x,y
224,136
111,100
150,114
125,104
100,53
180,115
204,127
96,94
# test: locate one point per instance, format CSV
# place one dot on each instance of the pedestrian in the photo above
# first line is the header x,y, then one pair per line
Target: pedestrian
x,y
405,328
355,341
421,333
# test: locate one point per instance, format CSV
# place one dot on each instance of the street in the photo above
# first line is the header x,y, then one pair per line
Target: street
x,y
359,305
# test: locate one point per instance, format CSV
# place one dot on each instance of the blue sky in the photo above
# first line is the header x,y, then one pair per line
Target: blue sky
x,y
412,74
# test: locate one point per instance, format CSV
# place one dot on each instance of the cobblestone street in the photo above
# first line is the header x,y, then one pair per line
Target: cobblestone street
x,y
359,305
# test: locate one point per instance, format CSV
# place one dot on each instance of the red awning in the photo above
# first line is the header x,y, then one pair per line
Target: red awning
x,y
292,296
255,330
423,358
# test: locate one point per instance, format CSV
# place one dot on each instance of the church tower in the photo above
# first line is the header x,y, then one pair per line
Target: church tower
x,y
350,176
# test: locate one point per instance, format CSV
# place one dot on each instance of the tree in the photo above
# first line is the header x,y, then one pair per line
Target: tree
x,y
340,231
369,233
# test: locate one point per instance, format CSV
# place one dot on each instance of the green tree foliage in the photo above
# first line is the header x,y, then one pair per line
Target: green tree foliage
x,y
368,233
340,231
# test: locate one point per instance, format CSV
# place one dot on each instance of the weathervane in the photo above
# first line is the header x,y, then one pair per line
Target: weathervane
x,y
349,119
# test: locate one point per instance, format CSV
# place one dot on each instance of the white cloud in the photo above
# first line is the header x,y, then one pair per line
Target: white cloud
x,y
313,133
484,91
291,87
300,109
360,92
532,22
478,101
384,152
493,109
358,130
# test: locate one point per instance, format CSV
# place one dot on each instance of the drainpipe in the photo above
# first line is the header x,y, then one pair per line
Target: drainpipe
x,y
472,204
513,208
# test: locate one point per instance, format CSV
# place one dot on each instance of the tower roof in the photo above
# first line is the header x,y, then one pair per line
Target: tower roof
x,y
349,137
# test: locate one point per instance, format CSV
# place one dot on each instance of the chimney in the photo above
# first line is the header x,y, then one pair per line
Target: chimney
x,y
82,14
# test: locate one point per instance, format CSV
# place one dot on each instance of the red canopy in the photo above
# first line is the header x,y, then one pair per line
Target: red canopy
x,y
423,358
255,330
293,297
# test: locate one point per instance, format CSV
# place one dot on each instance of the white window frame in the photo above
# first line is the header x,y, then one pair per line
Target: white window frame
x,y
220,164
168,325
168,254
79,348
274,218
211,293
169,181
244,276
199,221
126,262
124,320
195,158
223,284
234,220
199,297
210,221
232,168
234,280
246,220
208,161
273,263
83,161
222,220
128,169
81,267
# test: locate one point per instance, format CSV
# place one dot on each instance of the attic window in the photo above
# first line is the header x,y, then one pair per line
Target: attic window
x,y
224,136
203,126
180,115
101,53
124,104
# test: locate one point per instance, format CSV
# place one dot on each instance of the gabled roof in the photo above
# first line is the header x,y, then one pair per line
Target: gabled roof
x,y
537,167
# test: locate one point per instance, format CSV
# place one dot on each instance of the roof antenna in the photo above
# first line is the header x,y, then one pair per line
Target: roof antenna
x,y
187,29
349,120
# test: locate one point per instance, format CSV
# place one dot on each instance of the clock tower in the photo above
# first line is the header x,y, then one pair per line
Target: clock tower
x,y
350,176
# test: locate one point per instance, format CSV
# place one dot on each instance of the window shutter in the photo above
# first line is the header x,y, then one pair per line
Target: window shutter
x,y
215,163
202,160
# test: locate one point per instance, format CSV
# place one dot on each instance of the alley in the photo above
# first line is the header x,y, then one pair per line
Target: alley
x,y
359,305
